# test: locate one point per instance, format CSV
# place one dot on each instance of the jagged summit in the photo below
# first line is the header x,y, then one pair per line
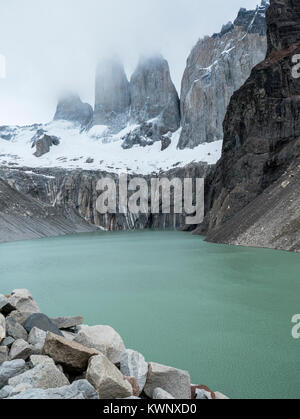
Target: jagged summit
x,y
153,93
216,68
112,94
253,21
71,108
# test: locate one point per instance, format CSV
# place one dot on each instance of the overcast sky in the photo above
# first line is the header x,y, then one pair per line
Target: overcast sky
x,y
52,45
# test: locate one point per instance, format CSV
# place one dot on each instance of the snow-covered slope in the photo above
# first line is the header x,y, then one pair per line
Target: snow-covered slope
x,y
97,150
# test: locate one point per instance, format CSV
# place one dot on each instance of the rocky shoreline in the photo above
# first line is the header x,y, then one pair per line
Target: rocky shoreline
x,y
60,358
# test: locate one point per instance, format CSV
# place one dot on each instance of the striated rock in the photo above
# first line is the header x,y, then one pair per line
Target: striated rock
x,y
67,322
15,330
11,369
107,379
43,376
216,68
2,327
71,108
20,350
23,301
71,355
42,322
81,389
112,99
133,364
3,354
246,203
160,394
154,97
173,381
37,339
102,338
44,144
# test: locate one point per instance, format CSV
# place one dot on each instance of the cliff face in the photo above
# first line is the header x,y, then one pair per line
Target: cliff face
x,y
75,191
112,97
216,68
261,151
23,217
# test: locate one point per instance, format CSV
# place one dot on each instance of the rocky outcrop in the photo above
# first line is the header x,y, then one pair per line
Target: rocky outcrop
x,y
112,98
253,195
154,99
71,108
44,143
216,68
64,369
23,217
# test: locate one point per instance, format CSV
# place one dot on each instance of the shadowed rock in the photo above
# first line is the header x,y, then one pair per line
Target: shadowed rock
x,y
252,198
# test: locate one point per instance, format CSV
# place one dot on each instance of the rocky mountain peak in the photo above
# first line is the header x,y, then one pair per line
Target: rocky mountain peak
x,y
112,96
153,94
216,68
71,108
253,21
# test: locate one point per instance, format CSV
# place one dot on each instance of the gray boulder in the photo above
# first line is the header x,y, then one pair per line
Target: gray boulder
x,y
133,364
20,316
42,322
102,338
153,94
71,108
202,394
23,301
160,394
15,330
3,354
10,369
81,389
71,355
67,322
107,379
173,381
112,99
45,375
44,144
37,339
2,327
20,350
7,342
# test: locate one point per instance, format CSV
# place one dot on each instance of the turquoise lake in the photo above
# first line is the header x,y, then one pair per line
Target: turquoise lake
x,y
221,312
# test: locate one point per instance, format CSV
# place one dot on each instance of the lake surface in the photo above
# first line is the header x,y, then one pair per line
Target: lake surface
x,y
223,313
